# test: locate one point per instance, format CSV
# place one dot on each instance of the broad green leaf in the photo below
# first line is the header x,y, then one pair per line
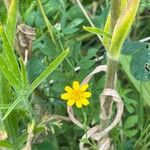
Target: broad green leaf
x,y
85,63
9,53
142,87
11,21
130,133
97,31
130,47
130,122
37,81
139,65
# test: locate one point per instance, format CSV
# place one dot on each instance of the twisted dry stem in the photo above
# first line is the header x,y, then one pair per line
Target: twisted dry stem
x,y
95,132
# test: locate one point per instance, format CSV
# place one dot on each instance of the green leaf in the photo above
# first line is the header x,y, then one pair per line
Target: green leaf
x,y
11,77
122,28
130,122
139,65
48,70
11,21
85,63
46,46
130,133
75,23
75,12
23,73
72,27
6,144
97,31
130,47
129,108
37,81
59,76
35,66
91,52
9,53
142,87
68,31
20,98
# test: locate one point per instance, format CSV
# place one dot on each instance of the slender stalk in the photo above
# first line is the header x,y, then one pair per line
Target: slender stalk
x,y
87,17
47,22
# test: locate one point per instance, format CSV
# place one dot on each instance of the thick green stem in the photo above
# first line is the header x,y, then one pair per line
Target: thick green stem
x,y
111,65
110,83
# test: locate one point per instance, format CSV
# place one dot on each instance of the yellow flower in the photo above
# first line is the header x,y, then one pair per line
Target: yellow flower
x,y
76,95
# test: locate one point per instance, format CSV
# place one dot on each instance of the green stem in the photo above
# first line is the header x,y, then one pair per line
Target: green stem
x,y
111,65
47,22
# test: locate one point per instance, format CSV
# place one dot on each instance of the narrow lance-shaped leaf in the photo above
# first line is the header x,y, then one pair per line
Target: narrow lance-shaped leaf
x,y
97,31
106,40
122,28
48,70
8,53
11,21
123,4
10,76
37,81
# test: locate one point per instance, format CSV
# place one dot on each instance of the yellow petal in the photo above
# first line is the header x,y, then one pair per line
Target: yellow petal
x,y
70,102
84,101
84,87
65,96
76,85
87,94
68,89
78,104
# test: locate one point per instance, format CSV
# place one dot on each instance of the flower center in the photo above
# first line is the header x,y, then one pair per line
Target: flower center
x,y
77,95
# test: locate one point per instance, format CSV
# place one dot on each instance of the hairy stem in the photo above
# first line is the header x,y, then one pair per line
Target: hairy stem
x,y
111,66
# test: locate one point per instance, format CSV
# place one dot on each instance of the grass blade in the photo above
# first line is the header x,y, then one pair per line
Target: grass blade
x,y
8,52
11,21
11,77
